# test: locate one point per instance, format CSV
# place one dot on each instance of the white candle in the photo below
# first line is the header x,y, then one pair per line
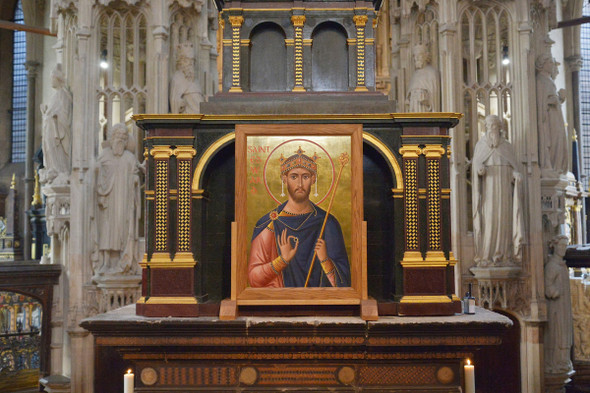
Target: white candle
x,y
128,382
469,377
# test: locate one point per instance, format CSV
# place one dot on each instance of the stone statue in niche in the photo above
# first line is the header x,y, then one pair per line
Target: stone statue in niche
x,y
498,226
119,206
57,123
559,331
424,88
553,149
185,93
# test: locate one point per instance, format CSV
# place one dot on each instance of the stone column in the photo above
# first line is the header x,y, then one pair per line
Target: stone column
x,y
157,102
31,67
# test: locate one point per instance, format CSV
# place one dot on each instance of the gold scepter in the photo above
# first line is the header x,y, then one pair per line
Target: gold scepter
x,y
343,159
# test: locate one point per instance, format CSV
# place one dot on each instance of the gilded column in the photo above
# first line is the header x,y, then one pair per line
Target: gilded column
x,y
298,22
433,155
236,24
161,156
360,21
410,154
184,158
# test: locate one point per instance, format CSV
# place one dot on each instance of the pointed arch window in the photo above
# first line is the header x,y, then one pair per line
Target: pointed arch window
x,y
19,90
121,90
486,69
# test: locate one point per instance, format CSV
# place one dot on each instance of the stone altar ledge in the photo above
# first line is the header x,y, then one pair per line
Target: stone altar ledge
x,y
125,319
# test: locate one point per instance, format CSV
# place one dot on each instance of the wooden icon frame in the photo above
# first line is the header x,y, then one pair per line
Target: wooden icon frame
x,y
243,294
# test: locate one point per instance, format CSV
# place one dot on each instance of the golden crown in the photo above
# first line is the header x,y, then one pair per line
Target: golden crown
x,y
299,160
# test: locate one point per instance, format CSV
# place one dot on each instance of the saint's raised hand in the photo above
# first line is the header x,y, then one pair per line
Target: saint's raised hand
x,y
284,242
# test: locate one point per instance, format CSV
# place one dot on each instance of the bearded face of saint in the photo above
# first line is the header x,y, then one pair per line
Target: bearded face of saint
x,y
299,182
493,132
187,66
119,143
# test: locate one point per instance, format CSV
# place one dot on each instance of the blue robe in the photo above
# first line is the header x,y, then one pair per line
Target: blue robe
x,y
306,227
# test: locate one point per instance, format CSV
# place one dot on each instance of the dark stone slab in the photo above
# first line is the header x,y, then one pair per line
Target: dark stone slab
x,y
298,103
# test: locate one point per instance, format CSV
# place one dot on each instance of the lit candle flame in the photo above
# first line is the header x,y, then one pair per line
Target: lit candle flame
x,y
468,362
129,371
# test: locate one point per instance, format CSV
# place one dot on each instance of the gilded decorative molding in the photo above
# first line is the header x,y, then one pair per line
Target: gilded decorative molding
x,y
206,156
160,258
236,24
298,22
236,20
171,300
388,154
360,21
184,258
414,259
175,264
160,152
410,151
433,151
184,152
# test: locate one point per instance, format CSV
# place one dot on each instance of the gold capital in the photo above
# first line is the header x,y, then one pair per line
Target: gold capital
x,y
433,151
236,21
161,151
184,152
360,20
410,151
298,20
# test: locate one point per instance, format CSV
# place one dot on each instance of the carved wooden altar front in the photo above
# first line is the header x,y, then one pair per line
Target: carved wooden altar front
x,y
277,354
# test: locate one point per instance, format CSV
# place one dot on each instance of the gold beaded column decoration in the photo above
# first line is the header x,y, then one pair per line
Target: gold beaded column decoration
x,y
161,156
298,22
434,251
236,24
184,158
360,21
410,154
